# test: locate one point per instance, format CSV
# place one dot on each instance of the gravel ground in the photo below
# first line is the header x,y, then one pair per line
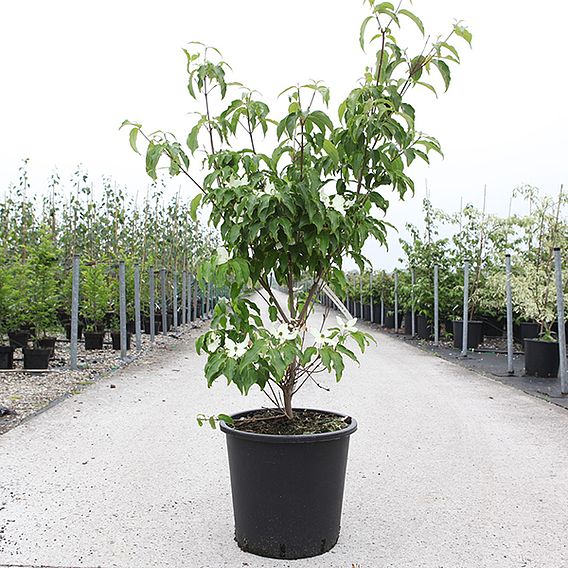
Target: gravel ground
x,y
25,393
447,470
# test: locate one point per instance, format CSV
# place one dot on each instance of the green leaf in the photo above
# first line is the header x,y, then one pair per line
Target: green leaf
x,y
212,422
331,151
463,32
362,31
226,419
192,139
414,18
132,138
194,205
444,71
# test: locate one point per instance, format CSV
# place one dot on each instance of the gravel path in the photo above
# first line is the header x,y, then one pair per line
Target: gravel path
x,y
448,470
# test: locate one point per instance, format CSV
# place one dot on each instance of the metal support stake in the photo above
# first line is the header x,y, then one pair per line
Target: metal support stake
x,y
184,297
175,302
164,302
510,369
395,301
75,312
412,307
436,308
372,314
137,315
465,323
152,307
561,322
190,313
122,306
361,296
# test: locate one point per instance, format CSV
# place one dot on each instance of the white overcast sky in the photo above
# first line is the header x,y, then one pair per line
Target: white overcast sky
x,y
71,71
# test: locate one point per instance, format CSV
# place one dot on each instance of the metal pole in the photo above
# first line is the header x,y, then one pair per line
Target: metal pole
x,y
436,308
152,307
175,302
190,314
122,305
75,312
372,314
561,322
412,308
510,369
164,301
396,301
137,315
361,296
465,322
184,297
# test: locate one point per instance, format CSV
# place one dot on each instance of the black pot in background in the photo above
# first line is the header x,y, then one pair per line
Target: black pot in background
x,y
131,326
287,490
68,330
115,336
554,329
376,313
94,340
157,325
529,330
541,358
449,326
36,359
6,356
389,321
424,327
47,343
492,326
366,312
20,338
474,334
408,322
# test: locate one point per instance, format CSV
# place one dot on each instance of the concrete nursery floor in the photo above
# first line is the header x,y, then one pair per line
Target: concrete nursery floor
x,y
494,365
447,469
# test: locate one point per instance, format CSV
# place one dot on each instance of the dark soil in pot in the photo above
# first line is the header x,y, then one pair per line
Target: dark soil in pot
x,y
6,356
288,489
115,336
474,334
47,343
541,358
20,338
68,330
36,359
94,340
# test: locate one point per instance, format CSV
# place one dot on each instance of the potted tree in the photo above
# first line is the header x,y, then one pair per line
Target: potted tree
x,y
6,350
291,210
94,303
41,295
533,282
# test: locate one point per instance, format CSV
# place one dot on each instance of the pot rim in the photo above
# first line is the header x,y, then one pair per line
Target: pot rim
x,y
537,340
289,438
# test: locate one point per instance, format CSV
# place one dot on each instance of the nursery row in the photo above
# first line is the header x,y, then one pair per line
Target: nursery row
x,y
40,237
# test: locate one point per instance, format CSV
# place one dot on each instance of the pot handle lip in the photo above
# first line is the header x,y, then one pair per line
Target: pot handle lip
x,y
290,439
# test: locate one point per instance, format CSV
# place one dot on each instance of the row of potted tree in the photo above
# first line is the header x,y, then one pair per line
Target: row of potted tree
x,y
39,235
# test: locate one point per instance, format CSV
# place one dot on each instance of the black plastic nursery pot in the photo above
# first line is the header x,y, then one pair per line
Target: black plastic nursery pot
x,y
115,336
408,322
366,312
36,359
20,338
474,334
529,330
94,340
47,343
68,330
389,321
6,356
424,327
492,326
147,327
542,358
287,490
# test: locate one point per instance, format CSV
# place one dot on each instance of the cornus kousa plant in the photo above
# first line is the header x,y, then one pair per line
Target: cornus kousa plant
x,y
294,195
